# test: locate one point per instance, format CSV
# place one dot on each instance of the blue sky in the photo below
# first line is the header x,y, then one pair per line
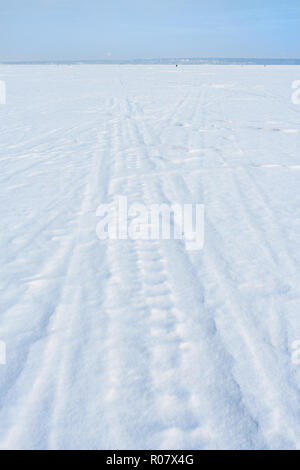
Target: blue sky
x,y
127,29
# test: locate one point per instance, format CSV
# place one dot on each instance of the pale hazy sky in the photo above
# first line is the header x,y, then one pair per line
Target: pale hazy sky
x,y
127,29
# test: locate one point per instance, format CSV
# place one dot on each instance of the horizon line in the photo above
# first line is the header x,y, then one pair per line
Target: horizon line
x,y
153,61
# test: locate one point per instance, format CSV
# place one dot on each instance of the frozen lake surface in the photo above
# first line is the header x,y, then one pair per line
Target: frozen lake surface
x,y
143,344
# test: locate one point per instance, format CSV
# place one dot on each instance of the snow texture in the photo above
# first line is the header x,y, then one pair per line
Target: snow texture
x,y
143,344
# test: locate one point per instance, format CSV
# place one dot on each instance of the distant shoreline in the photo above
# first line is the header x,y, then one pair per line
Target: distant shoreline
x,y
179,61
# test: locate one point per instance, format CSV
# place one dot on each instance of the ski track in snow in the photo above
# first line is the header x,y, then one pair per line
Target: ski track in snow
x,y
143,344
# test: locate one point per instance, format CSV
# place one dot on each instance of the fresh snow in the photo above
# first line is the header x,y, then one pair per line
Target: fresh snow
x,y
142,344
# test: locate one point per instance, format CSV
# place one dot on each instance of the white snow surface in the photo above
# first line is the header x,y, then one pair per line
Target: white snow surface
x,y
143,344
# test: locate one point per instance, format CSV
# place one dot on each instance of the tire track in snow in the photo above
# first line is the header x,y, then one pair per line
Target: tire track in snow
x,y
175,336
258,356
47,393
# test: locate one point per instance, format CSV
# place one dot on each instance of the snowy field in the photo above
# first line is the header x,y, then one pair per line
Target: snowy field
x,y
143,344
